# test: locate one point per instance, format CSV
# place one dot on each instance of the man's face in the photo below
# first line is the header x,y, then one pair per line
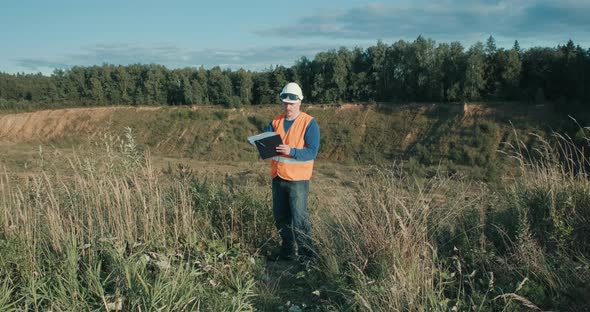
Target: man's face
x,y
291,108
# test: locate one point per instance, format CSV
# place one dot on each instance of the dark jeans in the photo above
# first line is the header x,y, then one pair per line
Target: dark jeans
x,y
289,207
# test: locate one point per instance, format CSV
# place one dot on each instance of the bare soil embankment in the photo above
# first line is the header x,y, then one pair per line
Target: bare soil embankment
x,y
51,124
351,133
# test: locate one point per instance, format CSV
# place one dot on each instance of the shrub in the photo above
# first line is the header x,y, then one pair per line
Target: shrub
x,y
258,122
232,101
221,115
422,154
182,113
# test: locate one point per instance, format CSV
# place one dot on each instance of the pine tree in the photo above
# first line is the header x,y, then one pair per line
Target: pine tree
x,y
358,89
509,67
491,72
474,81
516,47
220,87
376,74
243,86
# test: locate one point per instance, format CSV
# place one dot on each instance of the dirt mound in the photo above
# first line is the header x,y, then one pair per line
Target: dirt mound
x,y
476,110
48,124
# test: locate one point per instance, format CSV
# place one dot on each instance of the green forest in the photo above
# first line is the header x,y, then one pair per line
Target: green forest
x,y
404,71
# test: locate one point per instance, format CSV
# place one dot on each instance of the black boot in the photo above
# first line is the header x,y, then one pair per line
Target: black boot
x,y
284,254
305,253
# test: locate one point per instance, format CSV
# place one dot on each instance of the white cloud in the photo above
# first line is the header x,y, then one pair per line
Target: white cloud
x,y
532,22
447,20
173,56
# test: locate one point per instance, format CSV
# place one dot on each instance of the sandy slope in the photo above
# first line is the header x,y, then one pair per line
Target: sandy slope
x,y
48,124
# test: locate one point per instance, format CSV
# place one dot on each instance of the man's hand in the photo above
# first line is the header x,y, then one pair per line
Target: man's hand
x,y
284,149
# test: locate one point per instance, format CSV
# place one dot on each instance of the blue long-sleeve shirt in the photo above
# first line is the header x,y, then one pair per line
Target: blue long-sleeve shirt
x,y
311,138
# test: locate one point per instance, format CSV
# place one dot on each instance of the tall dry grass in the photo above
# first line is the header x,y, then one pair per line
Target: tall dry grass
x,y
402,243
110,232
91,203
380,243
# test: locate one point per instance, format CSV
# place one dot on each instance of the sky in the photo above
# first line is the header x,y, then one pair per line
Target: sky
x,y
40,35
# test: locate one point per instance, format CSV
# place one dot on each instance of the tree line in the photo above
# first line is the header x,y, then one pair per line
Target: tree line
x,y
404,71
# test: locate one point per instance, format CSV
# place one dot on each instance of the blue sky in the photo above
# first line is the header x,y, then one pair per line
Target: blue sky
x,y
38,36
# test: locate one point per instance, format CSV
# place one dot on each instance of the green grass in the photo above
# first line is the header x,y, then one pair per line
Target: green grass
x,y
108,230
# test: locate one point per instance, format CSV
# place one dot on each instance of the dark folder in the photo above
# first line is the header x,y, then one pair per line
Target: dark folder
x,y
267,147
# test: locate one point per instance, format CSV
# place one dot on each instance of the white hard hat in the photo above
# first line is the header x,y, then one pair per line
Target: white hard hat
x,y
291,93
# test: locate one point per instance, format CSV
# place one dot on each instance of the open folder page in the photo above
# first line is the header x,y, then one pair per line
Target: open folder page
x,y
266,143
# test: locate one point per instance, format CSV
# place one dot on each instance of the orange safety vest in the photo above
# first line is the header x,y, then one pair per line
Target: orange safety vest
x,y
285,166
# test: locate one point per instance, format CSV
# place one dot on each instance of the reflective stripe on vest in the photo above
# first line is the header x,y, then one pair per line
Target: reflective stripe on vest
x,y
290,160
287,167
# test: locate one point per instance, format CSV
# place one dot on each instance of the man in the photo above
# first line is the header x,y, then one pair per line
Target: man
x,y
291,172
